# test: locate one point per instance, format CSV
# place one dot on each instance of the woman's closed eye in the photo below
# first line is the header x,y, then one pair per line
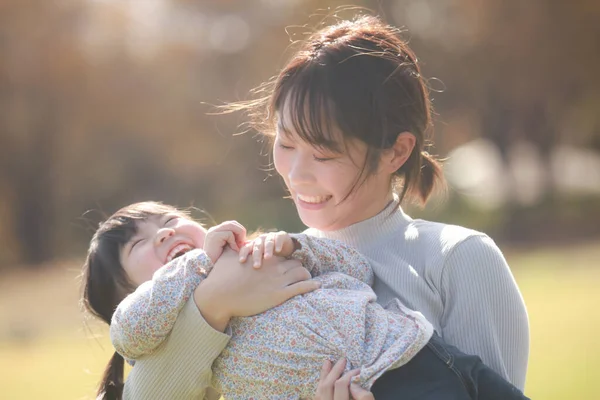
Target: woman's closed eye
x,y
285,147
322,159
325,155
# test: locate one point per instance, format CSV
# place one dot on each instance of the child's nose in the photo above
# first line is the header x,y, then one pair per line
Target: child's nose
x,y
163,234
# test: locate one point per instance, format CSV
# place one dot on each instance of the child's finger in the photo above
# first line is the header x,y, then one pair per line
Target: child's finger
x,y
240,233
235,227
245,251
230,240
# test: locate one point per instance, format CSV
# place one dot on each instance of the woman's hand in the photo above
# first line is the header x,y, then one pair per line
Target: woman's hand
x,y
335,386
233,289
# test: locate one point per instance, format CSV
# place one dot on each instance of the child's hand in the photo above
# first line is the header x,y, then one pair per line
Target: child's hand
x,y
230,233
267,245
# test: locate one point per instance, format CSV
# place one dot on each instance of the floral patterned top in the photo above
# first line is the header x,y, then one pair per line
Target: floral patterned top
x,y
278,354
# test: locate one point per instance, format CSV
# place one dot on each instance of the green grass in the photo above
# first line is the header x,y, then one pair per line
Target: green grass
x,y
56,367
561,288
54,356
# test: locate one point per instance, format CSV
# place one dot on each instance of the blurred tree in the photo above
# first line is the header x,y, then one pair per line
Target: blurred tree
x,y
105,102
38,63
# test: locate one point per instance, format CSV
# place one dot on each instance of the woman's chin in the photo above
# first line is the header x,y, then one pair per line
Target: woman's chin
x,y
319,222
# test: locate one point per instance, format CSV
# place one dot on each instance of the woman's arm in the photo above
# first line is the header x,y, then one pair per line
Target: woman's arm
x,y
484,312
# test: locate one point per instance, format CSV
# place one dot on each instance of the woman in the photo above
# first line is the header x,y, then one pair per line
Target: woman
x,y
349,116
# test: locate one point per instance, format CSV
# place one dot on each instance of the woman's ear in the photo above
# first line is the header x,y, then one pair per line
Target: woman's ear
x,y
395,157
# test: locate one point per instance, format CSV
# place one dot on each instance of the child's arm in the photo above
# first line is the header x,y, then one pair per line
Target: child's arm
x,y
144,319
320,255
180,368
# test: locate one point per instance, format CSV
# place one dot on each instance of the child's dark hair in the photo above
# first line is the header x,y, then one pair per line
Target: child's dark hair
x,y
105,283
361,76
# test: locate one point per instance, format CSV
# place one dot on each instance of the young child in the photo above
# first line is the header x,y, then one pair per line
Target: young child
x,y
274,354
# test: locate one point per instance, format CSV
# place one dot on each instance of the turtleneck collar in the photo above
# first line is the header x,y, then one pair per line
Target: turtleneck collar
x,y
365,232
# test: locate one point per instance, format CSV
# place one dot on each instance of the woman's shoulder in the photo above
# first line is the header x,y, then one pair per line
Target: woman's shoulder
x,y
445,238
455,249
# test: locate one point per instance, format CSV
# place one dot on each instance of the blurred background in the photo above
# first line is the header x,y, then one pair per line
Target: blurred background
x,y
107,102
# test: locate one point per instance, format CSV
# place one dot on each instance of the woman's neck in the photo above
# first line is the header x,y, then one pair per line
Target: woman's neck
x,y
389,219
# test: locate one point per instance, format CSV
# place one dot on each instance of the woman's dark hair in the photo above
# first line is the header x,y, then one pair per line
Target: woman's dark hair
x,y
360,76
105,283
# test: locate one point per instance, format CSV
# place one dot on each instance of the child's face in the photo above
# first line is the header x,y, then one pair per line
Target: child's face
x,y
158,240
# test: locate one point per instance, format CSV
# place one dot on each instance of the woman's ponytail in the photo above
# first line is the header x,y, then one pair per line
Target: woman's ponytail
x,y
422,175
431,176
111,386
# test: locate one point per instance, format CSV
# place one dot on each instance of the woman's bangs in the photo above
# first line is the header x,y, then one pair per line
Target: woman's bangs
x,y
306,112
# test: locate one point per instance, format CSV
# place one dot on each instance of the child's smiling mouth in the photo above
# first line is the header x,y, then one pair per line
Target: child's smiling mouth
x,y
178,251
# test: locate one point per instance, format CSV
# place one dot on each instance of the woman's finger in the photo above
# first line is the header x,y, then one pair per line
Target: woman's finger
x,y
280,238
325,369
269,245
296,289
358,393
341,389
258,251
293,272
325,388
336,371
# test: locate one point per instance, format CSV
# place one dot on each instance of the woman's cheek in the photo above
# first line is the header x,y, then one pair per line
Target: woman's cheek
x,y
280,162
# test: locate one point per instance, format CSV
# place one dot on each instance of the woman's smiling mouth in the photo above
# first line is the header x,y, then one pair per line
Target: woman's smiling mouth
x,y
312,202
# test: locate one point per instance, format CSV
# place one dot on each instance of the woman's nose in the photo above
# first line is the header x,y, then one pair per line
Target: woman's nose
x,y
300,171
163,234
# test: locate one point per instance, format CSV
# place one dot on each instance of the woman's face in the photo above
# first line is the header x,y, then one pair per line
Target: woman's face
x,y
319,181
158,240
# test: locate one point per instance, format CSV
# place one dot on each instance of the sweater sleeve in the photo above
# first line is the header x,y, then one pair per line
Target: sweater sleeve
x,y
484,312
143,319
180,368
320,255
